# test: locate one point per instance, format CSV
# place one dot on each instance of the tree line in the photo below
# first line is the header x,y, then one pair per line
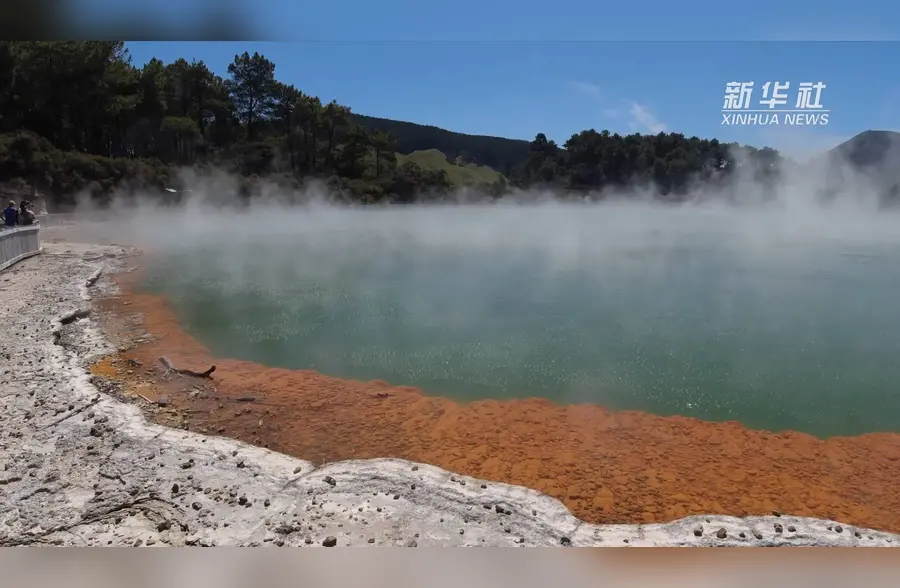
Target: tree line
x,y
78,116
669,164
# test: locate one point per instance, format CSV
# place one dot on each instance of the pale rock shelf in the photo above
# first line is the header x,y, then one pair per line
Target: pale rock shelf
x,y
79,467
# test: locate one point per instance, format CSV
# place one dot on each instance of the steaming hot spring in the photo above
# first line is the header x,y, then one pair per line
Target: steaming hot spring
x,y
776,319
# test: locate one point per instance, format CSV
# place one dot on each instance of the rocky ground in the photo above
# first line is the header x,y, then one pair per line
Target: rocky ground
x,y
80,464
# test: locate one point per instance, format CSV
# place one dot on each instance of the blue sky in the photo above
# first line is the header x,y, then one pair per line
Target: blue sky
x,y
516,69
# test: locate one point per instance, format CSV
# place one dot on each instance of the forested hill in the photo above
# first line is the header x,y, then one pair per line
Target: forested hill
x,y
495,152
871,149
79,116
874,155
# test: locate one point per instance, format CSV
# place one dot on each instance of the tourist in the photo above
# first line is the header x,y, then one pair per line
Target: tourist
x,y
11,215
26,216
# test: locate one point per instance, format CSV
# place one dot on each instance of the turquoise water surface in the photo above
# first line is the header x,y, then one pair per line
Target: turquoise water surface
x,y
776,326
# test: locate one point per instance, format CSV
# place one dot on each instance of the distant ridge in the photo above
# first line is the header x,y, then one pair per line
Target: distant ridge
x,y
875,155
870,149
498,153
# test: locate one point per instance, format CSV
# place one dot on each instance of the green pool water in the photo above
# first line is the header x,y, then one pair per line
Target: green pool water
x,y
755,319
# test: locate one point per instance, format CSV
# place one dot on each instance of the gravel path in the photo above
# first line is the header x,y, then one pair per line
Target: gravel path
x,y
79,467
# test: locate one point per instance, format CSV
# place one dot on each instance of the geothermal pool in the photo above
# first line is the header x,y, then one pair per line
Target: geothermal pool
x,y
779,320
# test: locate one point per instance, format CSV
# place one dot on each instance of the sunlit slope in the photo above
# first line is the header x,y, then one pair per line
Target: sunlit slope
x,y
459,174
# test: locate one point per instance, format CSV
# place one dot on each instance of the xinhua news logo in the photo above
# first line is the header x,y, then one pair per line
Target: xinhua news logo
x,y
776,106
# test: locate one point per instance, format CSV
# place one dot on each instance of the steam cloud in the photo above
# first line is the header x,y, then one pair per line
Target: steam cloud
x,y
528,250
746,208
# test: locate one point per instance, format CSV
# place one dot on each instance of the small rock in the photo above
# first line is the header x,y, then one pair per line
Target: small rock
x,y
565,542
778,528
196,505
698,531
371,540
241,464
792,529
330,481
298,469
415,468
722,533
412,543
329,541
839,529
174,488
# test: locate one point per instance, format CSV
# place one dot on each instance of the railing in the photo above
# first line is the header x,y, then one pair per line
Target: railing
x,y
59,219
18,243
52,220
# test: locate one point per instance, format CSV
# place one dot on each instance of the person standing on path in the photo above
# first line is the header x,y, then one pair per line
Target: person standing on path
x,y
26,217
11,215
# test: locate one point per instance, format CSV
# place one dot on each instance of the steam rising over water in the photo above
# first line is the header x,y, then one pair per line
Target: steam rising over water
x,y
780,320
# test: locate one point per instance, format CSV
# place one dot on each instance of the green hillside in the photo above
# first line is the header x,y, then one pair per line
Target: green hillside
x,y
498,153
458,173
